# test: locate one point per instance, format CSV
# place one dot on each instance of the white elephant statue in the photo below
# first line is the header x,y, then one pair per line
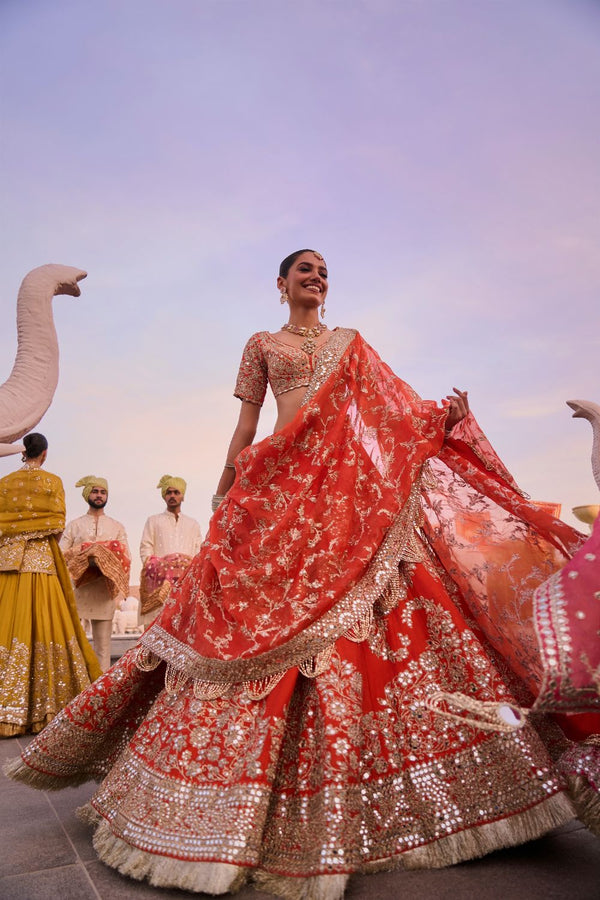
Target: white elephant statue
x,y
27,393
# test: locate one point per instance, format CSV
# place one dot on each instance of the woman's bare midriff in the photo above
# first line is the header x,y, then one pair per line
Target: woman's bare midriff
x,y
288,405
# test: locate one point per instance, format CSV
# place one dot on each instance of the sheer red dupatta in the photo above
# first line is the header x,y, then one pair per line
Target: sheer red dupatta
x,y
321,514
506,556
311,531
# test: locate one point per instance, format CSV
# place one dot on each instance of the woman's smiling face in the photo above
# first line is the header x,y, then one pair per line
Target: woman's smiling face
x,y
306,281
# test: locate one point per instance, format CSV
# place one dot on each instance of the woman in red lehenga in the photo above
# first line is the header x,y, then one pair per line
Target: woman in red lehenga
x,y
337,683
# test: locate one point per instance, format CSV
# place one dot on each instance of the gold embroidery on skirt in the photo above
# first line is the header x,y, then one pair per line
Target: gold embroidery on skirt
x,y
37,682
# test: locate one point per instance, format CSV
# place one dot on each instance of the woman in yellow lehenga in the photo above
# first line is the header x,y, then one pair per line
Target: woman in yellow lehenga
x,y
45,658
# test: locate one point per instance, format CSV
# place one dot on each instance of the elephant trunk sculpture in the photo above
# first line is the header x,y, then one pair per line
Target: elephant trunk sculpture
x,y
585,409
30,387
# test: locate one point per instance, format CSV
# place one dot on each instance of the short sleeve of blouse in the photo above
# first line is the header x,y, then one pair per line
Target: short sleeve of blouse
x,y
251,384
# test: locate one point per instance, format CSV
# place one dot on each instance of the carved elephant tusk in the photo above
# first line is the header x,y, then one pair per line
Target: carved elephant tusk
x,y
28,392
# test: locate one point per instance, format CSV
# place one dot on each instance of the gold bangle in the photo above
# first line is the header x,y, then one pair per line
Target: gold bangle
x,y
229,466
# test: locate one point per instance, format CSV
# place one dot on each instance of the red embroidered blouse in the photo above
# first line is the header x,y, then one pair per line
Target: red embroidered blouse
x,y
268,360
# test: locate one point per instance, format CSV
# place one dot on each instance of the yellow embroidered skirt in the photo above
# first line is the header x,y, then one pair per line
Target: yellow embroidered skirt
x,y
45,658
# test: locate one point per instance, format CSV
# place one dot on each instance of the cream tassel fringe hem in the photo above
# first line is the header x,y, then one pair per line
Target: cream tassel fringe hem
x,y
475,842
586,802
163,871
43,781
222,878
315,887
204,877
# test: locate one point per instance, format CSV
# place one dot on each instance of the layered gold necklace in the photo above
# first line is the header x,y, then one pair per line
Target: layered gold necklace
x,y
309,345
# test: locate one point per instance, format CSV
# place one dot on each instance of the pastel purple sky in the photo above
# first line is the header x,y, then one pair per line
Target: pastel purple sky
x,y
443,155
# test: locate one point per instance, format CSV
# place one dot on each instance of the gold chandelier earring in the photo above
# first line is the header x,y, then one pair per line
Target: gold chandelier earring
x,y
323,310
284,297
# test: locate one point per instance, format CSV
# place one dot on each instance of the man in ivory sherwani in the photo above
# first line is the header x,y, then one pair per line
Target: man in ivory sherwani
x,y
169,542
98,559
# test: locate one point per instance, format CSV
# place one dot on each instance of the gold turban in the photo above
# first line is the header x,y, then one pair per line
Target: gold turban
x,y
88,482
171,481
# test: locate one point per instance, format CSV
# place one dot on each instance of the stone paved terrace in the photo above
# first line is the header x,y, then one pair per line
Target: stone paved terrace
x,y
46,852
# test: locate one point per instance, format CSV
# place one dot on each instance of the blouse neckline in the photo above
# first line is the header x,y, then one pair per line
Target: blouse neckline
x,y
299,349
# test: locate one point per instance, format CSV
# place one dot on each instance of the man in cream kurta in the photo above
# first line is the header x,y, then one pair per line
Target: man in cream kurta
x,y
169,542
98,558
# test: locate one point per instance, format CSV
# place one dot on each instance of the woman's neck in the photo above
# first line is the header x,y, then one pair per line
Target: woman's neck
x,y
304,318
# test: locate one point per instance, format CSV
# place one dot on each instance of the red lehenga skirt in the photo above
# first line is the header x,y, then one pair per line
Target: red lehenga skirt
x,y
339,771
326,691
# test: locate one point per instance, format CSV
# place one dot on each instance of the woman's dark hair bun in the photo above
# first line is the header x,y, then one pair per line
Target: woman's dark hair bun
x,y
35,443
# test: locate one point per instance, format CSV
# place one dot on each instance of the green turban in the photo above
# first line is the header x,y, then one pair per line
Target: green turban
x,y
171,481
88,482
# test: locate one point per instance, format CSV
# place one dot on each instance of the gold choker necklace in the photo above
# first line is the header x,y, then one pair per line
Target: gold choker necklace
x,y
311,334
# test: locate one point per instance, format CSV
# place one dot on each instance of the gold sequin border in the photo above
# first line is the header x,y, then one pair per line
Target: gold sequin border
x,y
555,642
443,811
328,360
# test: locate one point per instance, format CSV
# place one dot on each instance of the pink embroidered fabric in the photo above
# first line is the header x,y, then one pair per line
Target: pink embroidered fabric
x,y
567,620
